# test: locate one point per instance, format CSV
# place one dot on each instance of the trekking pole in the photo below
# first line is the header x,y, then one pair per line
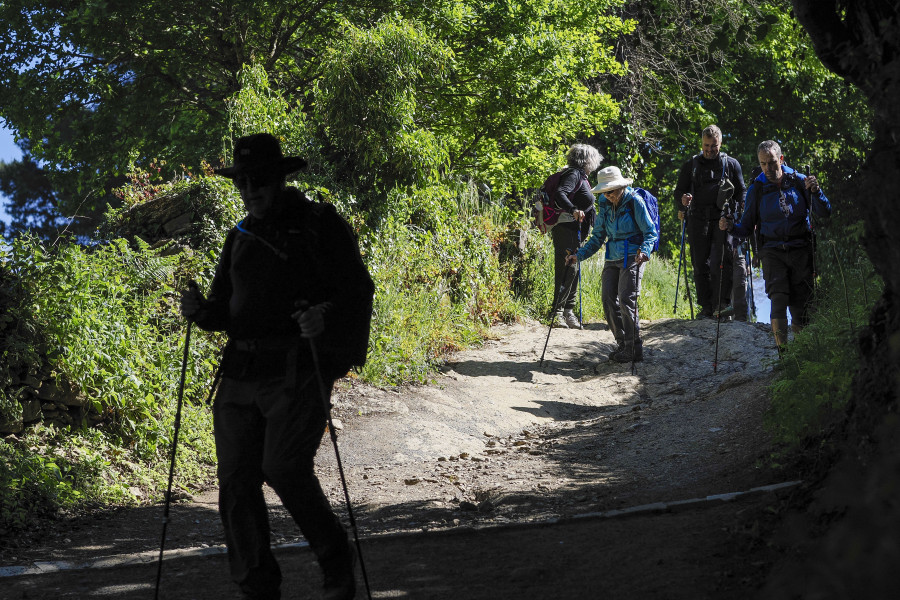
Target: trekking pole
x,y
837,260
812,230
561,293
578,266
719,297
177,427
637,270
687,287
678,279
333,435
747,258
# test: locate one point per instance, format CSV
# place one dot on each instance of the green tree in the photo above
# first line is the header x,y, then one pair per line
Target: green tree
x,y
32,200
518,90
95,86
374,102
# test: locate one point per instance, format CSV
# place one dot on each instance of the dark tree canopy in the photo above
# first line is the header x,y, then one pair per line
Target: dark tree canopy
x,y
33,200
92,85
860,40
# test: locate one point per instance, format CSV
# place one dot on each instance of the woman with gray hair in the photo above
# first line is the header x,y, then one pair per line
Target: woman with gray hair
x,y
572,195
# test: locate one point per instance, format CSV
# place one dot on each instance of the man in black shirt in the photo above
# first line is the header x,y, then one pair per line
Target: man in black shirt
x,y
289,273
697,198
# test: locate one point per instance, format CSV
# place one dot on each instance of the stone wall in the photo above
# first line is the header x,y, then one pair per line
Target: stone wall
x,y
46,397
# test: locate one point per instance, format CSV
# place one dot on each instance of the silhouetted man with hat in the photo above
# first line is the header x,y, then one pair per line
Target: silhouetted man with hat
x,y
289,273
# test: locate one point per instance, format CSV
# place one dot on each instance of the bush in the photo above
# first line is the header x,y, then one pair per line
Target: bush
x,y
439,281
813,386
47,472
104,319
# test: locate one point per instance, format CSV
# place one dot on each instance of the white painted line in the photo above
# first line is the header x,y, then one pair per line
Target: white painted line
x,y
690,503
122,560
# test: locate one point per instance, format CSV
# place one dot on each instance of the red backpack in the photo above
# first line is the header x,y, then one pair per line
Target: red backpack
x,y
544,213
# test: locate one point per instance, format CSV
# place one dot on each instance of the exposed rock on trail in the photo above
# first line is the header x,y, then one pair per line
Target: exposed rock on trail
x,y
570,436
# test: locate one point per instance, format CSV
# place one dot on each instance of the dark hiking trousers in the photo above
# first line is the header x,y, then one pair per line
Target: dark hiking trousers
x,y
703,234
620,290
269,430
565,277
789,281
734,283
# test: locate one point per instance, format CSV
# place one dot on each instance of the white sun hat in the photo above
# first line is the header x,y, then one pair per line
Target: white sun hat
x,y
610,178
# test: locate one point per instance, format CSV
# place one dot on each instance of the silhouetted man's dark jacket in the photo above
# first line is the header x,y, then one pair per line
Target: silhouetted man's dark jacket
x,y
304,252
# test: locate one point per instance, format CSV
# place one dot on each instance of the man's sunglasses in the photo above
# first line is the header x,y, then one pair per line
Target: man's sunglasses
x,y
256,181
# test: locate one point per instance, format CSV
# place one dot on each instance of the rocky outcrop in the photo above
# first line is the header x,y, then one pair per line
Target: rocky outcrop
x,y
48,397
191,214
165,217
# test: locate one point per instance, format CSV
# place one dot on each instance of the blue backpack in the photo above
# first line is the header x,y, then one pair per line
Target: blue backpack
x,y
652,208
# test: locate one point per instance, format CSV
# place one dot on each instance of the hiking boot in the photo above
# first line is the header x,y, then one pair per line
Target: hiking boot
x,y
724,311
571,320
619,347
625,355
340,581
559,322
704,314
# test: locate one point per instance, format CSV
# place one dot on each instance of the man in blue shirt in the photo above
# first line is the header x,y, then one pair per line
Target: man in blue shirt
x,y
779,202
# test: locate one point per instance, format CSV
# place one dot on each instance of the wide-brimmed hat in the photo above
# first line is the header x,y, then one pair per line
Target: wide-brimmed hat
x,y
259,154
610,178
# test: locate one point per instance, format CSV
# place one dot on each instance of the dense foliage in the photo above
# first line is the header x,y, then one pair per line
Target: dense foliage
x,y
425,123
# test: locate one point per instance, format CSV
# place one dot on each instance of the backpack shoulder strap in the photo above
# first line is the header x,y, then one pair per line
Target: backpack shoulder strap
x,y
757,195
695,169
800,186
695,166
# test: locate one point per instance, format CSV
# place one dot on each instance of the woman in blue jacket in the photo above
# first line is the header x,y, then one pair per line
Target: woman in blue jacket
x,y
624,225
779,203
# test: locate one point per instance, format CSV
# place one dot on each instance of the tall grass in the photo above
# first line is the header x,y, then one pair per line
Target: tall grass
x,y
657,298
818,365
439,280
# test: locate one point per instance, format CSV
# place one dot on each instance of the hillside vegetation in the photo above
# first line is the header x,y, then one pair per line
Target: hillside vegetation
x,y
428,127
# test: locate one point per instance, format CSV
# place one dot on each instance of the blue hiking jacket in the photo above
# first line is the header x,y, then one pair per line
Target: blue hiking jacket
x,y
763,207
614,226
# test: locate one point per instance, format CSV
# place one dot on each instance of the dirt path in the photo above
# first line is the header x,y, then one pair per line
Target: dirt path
x,y
497,459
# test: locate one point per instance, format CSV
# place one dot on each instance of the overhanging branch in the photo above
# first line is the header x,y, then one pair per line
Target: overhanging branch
x,y
833,41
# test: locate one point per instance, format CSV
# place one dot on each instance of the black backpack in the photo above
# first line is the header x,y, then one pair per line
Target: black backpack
x,y
347,344
724,179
